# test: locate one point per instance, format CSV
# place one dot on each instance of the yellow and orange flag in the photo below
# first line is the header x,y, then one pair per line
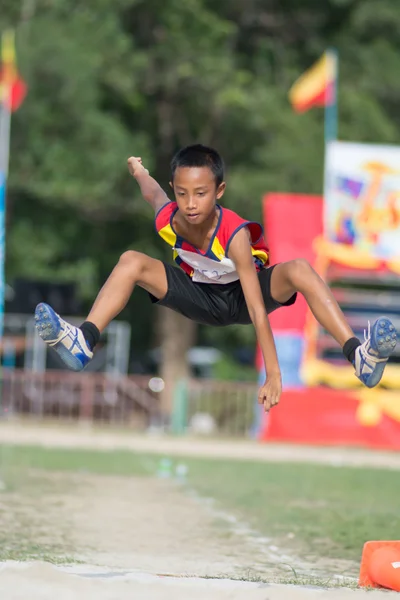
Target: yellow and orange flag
x,y
316,87
12,87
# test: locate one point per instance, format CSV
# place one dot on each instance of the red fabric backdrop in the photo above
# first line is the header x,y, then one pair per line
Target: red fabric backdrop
x,y
291,222
327,417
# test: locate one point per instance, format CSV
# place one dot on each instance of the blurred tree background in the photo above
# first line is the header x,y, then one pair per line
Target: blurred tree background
x,y
112,78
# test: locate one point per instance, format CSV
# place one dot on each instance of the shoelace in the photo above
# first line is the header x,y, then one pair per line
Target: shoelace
x,y
63,334
367,336
367,355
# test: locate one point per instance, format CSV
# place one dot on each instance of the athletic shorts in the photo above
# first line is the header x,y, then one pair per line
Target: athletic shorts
x,y
212,303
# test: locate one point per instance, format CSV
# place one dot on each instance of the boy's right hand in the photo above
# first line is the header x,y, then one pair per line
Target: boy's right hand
x,y
135,166
271,391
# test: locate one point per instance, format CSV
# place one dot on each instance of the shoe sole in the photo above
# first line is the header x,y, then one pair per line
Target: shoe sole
x,y
48,327
383,341
383,337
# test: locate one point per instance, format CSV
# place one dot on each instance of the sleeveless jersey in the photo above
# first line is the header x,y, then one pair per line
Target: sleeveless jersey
x,y
213,265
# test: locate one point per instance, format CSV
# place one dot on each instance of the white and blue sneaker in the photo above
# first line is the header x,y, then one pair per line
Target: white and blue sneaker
x,y
371,357
65,339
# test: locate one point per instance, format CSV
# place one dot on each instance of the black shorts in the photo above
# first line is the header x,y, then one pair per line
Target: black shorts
x,y
213,303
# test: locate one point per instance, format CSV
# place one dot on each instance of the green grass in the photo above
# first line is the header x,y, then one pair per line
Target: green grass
x,y
298,580
317,511
25,532
326,511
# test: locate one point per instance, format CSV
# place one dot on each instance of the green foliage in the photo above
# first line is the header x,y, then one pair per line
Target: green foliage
x,y
227,369
111,78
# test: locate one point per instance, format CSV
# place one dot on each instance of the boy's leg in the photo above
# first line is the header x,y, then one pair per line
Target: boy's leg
x,y
298,276
74,344
368,358
133,268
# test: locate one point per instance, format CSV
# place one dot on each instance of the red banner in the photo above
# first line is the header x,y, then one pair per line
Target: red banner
x,y
282,214
335,417
292,222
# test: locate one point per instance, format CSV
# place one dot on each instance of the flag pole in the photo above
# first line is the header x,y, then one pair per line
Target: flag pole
x,y
331,102
330,119
5,129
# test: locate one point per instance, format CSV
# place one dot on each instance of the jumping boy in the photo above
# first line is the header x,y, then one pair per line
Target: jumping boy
x,y
223,277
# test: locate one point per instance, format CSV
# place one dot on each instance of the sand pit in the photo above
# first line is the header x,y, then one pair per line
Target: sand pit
x,y
41,581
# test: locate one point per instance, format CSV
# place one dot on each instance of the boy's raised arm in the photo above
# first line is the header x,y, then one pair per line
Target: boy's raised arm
x,y
151,191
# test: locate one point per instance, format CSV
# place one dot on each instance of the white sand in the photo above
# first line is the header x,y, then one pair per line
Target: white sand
x,y
41,581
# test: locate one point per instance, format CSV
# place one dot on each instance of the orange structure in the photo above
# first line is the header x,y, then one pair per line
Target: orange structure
x,y
380,565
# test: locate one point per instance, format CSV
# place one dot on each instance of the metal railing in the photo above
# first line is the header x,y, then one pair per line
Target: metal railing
x,y
229,406
210,407
93,397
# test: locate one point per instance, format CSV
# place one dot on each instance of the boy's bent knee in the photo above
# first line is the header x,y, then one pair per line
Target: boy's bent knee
x,y
149,273
142,269
298,270
132,260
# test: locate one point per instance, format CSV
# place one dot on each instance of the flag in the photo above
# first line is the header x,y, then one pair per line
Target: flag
x,y
316,87
12,86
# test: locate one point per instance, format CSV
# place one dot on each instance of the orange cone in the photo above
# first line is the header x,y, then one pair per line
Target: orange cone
x,y
380,565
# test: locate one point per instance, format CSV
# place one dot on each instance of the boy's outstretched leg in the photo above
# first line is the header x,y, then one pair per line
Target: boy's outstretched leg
x,y
369,358
75,344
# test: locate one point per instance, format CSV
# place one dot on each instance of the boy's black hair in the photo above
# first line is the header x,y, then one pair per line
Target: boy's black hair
x,y
198,155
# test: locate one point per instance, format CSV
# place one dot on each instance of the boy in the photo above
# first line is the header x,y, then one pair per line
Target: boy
x,y
223,277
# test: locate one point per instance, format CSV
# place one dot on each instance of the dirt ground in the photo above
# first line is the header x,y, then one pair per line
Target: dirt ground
x,y
142,547
83,436
120,522
150,525
125,522
40,581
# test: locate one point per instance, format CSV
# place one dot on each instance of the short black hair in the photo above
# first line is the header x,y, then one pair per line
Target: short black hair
x,y
198,155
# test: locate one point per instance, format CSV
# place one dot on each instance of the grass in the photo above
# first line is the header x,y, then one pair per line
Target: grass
x,y
294,579
316,511
323,511
38,553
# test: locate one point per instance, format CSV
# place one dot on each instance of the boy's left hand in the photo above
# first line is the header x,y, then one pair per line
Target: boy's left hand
x,y
271,391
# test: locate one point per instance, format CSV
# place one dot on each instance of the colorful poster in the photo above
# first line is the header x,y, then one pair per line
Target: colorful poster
x,y
362,206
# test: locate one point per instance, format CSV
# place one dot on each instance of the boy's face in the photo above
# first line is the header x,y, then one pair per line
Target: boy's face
x,y
196,193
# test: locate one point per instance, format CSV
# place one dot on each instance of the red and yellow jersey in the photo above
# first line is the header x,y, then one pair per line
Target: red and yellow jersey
x,y
214,264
